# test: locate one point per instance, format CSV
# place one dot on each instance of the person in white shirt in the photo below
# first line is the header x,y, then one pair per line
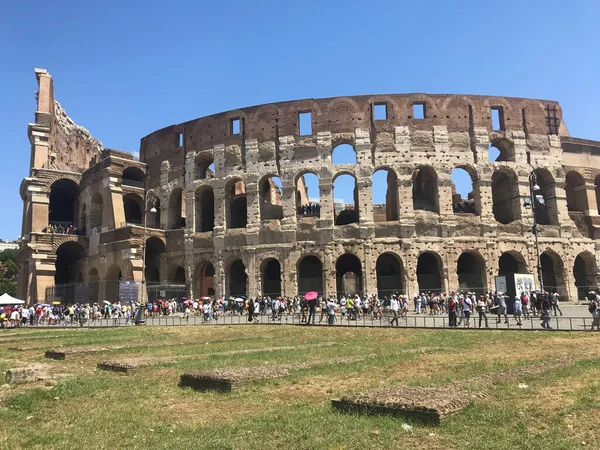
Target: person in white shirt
x,y
394,307
467,306
518,309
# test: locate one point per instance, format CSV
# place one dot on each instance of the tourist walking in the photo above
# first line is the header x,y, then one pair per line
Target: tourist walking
x,y
481,304
556,303
545,308
331,306
594,309
451,312
501,303
518,310
467,306
394,306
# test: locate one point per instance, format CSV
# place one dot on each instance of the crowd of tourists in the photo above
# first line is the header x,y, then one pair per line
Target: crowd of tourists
x,y
62,229
459,307
310,209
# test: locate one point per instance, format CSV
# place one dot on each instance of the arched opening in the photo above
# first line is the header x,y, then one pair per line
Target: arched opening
x,y
425,190
237,210
505,196
68,263
308,198
204,280
204,167
133,206
93,285
96,211
511,262
384,190
177,276
205,209
389,275
552,272
271,278
132,176
153,218
155,251
545,196
470,269
585,272
429,272
500,150
63,203
177,209
345,199
464,199
343,154
348,275
576,192
112,283
238,279
271,207
310,275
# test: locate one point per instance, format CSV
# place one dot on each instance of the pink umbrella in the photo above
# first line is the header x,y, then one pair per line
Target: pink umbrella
x,y
311,295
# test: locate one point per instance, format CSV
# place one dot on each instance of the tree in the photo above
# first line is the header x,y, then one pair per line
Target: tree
x,y
8,272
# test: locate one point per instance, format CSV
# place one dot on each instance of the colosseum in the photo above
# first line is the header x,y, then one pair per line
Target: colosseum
x,y
221,206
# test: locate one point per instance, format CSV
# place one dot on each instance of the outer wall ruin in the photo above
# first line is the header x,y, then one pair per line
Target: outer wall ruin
x,y
229,190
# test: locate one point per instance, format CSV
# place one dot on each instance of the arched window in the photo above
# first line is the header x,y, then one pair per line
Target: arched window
x,y
133,206
155,253
271,278
500,150
310,275
425,190
463,193
585,272
271,207
470,269
204,166
576,192
64,196
345,199
308,199
389,275
511,262
546,210
384,190
237,210
505,196
132,176
343,154
348,275
205,209
176,209
238,279
429,272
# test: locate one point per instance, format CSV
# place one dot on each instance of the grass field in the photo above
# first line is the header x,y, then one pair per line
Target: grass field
x,y
146,409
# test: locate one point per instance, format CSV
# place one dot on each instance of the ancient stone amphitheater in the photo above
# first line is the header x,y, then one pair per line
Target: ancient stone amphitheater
x,y
228,208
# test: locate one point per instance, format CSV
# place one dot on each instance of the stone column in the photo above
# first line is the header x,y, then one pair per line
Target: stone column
x,y
484,201
591,208
327,216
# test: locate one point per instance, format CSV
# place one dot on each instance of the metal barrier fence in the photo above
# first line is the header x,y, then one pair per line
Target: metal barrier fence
x,y
365,320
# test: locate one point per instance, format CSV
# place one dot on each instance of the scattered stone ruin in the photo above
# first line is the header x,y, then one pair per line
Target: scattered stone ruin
x,y
245,201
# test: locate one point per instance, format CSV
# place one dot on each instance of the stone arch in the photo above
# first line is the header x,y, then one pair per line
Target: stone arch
x,y
576,192
585,274
177,275
429,272
471,271
553,272
237,279
270,272
511,262
133,176
348,274
471,202
237,205
390,274
546,211
204,165
425,189
205,209
345,215
64,198
343,153
154,253
505,196
270,192
501,150
69,259
385,178
307,205
96,211
112,280
310,274
176,209
204,279
133,205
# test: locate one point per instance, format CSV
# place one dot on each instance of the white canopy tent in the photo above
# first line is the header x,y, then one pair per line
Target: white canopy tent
x,y
6,299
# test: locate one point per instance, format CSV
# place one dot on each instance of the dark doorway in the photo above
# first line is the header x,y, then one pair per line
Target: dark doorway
x,y
238,279
348,275
429,273
271,278
389,275
310,275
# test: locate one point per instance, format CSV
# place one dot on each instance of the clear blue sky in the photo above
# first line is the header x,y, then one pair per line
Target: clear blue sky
x,y
125,68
